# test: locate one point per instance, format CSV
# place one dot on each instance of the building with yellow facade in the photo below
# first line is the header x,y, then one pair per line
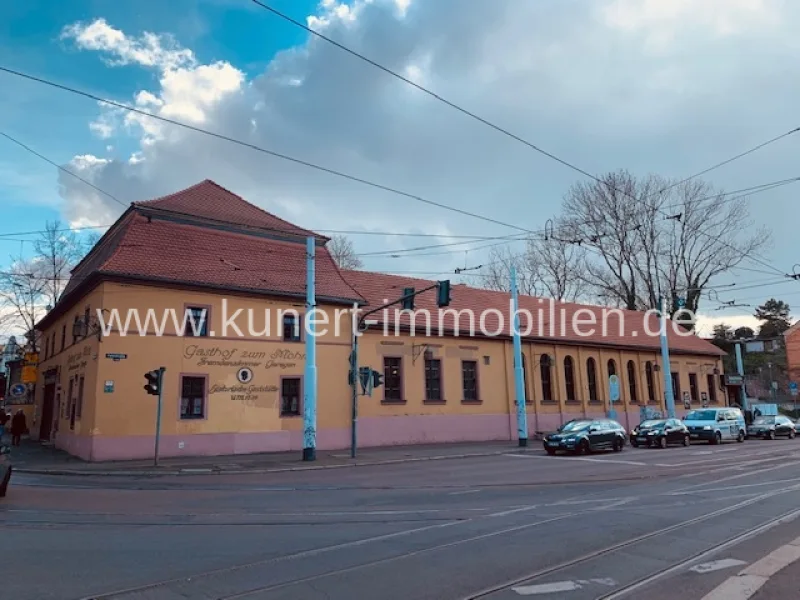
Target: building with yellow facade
x,y
213,289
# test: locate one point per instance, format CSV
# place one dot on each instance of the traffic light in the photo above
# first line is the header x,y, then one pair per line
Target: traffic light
x,y
443,293
377,379
153,385
408,298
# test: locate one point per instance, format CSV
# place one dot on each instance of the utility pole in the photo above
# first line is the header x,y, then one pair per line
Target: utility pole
x,y
519,379
740,369
310,379
668,391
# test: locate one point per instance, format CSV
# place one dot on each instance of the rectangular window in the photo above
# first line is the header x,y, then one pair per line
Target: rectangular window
x,y
196,321
433,380
676,387
392,379
693,391
63,336
469,378
712,389
193,397
69,401
85,324
290,397
291,328
79,410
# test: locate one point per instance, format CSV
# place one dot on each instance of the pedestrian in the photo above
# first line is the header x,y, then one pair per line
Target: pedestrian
x,y
4,418
18,427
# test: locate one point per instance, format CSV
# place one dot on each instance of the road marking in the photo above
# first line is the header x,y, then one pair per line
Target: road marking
x,y
560,586
513,511
717,565
600,460
750,580
547,588
463,492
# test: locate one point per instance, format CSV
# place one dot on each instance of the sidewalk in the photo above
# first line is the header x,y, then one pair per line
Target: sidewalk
x,y
31,457
775,576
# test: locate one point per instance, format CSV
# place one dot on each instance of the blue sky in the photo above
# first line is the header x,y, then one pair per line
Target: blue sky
x,y
56,123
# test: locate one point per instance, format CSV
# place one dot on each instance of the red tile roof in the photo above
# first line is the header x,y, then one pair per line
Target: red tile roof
x,y
379,287
209,200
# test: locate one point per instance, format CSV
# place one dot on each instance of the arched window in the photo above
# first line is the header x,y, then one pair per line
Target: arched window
x,y
651,390
632,382
591,378
569,378
545,368
612,367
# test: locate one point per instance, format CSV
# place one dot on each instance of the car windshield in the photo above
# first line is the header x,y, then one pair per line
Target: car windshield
x,y
701,415
575,426
764,421
652,423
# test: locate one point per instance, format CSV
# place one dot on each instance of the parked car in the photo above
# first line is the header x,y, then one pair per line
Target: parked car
x,y
771,427
661,433
716,425
582,437
797,425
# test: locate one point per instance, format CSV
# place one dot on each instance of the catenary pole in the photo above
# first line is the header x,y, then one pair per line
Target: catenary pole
x,y
666,368
310,383
519,378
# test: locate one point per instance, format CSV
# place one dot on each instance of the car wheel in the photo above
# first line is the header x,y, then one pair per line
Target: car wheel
x,y
792,434
686,440
662,442
771,435
617,447
634,443
740,437
550,451
583,447
717,438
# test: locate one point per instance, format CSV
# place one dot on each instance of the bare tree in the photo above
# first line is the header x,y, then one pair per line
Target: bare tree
x,y
650,238
496,273
548,267
22,288
57,250
343,254
32,285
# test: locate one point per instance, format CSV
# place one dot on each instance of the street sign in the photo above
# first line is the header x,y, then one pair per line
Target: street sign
x,y
613,385
116,357
681,302
18,390
365,378
793,388
29,374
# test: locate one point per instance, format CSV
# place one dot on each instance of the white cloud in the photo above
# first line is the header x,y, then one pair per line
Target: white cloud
x,y
584,85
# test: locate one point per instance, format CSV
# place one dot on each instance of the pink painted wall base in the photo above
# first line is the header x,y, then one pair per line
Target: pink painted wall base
x,y
372,432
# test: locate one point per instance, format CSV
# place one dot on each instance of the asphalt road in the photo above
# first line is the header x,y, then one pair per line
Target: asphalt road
x,y
642,523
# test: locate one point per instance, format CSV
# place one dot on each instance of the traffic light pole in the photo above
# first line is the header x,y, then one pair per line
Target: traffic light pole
x,y
158,411
358,327
354,407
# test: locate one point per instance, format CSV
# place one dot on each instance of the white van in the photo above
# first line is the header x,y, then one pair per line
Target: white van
x,y
716,425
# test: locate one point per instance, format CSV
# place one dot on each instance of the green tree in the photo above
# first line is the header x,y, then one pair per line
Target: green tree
x,y
723,332
743,333
774,315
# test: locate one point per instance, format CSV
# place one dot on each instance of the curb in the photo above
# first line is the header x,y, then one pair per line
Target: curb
x,y
254,471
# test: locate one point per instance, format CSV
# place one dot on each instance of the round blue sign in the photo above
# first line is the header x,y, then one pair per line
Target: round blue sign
x,y
18,389
613,384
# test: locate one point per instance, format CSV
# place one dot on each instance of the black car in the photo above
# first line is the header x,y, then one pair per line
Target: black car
x,y
661,433
771,427
584,436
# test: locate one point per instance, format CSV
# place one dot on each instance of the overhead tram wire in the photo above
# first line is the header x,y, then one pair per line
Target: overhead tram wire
x,y
513,136
63,169
261,149
326,169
